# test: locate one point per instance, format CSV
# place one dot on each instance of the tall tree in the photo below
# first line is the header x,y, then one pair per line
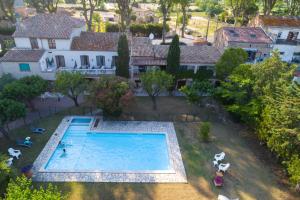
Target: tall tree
x,y
231,58
293,7
268,6
122,64
5,79
7,8
70,84
173,59
89,7
10,110
44,5
111,94
165,7
184,4
124,10
154,82
242,9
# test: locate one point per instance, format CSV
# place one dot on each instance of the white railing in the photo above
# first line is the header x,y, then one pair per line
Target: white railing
x,y
90,71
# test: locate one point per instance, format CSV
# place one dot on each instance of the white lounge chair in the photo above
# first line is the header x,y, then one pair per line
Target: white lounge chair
x,y
220,156
9,161
222,197
14,153
224,167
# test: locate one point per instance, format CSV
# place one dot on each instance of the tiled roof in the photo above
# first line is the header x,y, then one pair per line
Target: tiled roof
x,y
283,21
90,41
245,34
157,55
57,26
22,56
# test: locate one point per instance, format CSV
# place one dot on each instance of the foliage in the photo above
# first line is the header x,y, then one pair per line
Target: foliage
x,y
122,63
111,94
231,58
71,84
294,170
124,10
5,79
198,89
263,96
22,188
165,7
204,131
7,30
109,27
44,6
173,58
25,89
88,7
7,9
211,7
154,82
144,30
5,173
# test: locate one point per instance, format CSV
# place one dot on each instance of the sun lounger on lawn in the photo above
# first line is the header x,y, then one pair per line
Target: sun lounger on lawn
x,y
224,167
14,153
222,197
24,143
219,156
9,161
38,130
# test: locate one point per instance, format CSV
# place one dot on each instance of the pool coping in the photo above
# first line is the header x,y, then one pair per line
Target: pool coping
x,y
177,175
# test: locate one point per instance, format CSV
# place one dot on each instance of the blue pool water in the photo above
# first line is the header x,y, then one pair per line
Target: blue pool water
x,y
81,120
109,151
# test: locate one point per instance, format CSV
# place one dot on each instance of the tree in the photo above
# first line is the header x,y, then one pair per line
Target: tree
x,y
122,64
268,5
184,4
165,6
89,7
293,7
5,173
22,188
154,82
124,10
25,89
111,94
231,58
173,58
7,8
5,79
44,5
204,131
71,84
10,110
242,9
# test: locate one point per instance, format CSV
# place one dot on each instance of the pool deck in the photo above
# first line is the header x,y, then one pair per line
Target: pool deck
x,y
176,176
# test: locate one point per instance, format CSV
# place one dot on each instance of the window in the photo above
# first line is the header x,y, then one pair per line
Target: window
x,y
24,67
34,43
113,61
252,35
51,44
85,61
279,34
251,55
60,61
100,61
281,53
292,35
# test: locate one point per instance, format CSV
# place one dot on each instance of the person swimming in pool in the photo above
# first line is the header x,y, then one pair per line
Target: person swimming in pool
x,y
64,154
61,144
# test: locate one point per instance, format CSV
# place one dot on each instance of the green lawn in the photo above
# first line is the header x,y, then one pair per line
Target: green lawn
x,y
249,177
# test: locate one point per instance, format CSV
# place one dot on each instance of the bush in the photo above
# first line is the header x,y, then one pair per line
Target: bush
x,y
7,30
294,170
109,27
204,131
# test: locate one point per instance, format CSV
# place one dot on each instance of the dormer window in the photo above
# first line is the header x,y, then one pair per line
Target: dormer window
x,y
279,35
292,35
51,44
34,43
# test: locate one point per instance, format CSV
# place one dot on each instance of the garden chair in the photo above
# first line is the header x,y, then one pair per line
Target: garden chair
x,y
14,153
9,161
219,157
223,167
222,197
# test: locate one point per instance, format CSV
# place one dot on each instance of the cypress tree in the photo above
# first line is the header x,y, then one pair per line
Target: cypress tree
x,y
122,63
173,59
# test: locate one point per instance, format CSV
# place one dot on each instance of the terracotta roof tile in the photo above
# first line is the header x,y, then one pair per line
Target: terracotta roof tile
x,y
245,34
22,56
57,26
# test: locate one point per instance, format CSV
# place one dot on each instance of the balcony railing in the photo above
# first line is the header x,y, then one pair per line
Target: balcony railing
x,y
93,72
288,42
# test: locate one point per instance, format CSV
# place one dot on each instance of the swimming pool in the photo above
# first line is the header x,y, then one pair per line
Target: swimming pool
x,y
102,151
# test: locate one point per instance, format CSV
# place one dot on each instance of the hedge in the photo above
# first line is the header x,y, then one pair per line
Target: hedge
x,y
7,30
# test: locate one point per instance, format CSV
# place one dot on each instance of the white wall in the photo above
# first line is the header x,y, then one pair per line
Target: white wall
x,y
35,69
72,56
22,43
288,50
284,30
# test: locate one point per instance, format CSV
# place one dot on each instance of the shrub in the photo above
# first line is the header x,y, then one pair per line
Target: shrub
x,y
109,27
204,131
7,30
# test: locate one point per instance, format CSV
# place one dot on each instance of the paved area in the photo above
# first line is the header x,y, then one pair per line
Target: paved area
x,y
176,174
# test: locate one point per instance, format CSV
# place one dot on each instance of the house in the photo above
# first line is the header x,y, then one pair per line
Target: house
x,y
254,41
284,32
145,56
50,43
47,43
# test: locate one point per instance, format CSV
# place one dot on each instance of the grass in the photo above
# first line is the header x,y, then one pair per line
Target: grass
x,y
248,178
